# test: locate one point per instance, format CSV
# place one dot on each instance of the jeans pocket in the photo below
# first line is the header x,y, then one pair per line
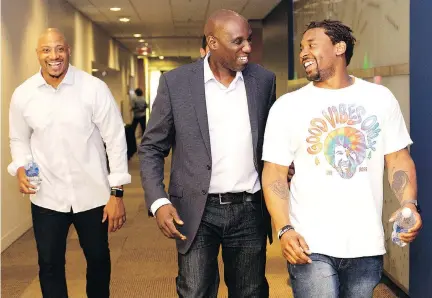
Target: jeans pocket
x,y
254,206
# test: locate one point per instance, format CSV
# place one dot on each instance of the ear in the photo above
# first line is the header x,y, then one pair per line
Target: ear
x,y
211,42
202,52
340,48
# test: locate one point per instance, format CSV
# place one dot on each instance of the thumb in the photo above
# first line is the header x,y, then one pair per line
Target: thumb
x,y
176,217
105,215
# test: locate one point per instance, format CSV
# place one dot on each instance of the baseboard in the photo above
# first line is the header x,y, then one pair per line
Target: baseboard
x,y
16,233
394,286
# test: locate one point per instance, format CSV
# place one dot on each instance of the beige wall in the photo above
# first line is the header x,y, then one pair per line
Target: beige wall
x,y
21,23
381,29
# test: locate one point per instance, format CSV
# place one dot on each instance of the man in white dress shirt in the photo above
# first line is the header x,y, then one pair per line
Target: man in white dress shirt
x,y
62,117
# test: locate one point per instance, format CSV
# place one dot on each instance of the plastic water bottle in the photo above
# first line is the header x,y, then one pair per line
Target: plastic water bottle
x,y
32,172
405,220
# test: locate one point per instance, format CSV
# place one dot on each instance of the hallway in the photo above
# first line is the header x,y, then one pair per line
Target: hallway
x,y
143,261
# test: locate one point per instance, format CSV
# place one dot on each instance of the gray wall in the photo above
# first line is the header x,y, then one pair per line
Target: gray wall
x,y
275,45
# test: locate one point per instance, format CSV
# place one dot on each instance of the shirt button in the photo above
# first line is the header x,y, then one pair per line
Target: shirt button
x,y
203,191
208,167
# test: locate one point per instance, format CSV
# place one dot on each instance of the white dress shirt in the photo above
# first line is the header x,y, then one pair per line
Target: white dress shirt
x,y
64,129
230,132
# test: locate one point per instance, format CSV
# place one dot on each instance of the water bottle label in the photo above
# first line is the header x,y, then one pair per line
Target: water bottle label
x,y
32,169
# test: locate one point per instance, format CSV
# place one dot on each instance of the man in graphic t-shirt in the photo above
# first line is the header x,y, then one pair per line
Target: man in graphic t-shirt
x,y
340,131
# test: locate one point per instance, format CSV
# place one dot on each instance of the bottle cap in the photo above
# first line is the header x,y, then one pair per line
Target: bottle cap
x,y
406,212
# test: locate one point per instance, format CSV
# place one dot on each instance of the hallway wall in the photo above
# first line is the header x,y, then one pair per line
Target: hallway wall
x,y
275,45
22,22
421,107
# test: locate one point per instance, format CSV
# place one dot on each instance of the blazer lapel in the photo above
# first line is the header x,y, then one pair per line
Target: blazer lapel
x,y
196,82
251,92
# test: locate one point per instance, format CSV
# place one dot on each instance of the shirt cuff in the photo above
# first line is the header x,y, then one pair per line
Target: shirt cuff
x,y
157,204
117,179
14,166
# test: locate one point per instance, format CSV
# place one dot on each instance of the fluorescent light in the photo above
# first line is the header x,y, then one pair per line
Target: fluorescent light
x,y
124,20
115,8
161,57
137,35
141,40
95,69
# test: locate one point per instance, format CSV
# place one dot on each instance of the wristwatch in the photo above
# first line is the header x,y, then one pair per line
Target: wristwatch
x,y
117,192
414,202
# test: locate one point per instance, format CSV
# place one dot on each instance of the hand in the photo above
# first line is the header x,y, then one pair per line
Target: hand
x,y
115,212
413,232
24,185
291,172
294,248
165,218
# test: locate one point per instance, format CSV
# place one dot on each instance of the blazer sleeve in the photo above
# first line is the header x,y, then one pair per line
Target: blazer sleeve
x,y
156,144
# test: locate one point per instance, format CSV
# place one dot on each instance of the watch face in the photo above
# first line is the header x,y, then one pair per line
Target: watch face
x,y
117,193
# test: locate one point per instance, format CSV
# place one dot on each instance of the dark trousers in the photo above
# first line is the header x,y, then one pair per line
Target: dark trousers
x,y
142,123
51,230
241,231
330,277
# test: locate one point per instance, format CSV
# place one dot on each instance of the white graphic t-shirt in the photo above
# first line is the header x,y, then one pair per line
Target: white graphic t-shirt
x,y
337,140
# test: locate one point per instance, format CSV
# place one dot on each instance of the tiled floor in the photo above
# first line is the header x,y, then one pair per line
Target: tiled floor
x,y
143,261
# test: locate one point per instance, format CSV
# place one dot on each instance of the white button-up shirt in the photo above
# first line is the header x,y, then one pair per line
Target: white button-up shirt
x,y
230,132
65,129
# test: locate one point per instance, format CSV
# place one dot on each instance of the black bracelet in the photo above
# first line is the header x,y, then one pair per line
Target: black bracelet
x,y
284,230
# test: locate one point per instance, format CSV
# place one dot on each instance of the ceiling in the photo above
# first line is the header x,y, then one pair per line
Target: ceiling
x,y
172,28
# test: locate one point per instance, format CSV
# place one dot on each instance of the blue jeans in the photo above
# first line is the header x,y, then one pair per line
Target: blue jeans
x,y
241,231
329,277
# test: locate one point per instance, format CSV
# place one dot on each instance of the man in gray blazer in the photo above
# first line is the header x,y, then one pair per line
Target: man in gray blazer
x,y
212,113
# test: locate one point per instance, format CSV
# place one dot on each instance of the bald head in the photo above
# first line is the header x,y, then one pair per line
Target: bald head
x,y
229,40
51,34
220,17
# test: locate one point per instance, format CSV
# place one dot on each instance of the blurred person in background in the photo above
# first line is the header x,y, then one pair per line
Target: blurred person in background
x,y
139,109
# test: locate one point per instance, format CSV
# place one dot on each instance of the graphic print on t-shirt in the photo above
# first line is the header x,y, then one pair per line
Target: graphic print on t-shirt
x,y
344,137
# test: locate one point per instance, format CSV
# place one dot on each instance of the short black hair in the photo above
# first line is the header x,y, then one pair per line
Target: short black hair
x,y
204,42
138,92
337,32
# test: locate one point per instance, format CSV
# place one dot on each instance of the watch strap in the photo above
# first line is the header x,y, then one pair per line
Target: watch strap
x,y
117,192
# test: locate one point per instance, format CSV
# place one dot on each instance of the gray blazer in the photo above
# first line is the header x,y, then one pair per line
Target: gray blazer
x,y
179,121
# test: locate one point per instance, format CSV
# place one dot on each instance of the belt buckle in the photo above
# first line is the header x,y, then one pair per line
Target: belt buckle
x,y
220,201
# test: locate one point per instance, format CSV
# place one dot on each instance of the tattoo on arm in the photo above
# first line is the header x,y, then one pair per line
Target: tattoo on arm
x,y
399,183
281,189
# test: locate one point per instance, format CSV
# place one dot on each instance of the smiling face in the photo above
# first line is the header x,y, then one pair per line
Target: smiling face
x,y
318,55
53,54
231,44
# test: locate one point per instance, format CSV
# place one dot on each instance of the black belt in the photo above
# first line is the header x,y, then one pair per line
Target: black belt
x,y
236,198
